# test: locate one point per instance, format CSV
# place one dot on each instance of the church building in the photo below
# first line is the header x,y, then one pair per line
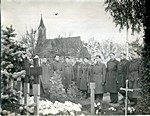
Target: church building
x,y
65,46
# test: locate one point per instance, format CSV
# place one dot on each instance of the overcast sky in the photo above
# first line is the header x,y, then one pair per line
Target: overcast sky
x,y
85,18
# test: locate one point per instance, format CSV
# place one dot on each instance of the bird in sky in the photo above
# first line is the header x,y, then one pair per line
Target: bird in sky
x,y
56,14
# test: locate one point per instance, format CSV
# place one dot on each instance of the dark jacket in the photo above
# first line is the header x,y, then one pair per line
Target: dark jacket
x,y
112,76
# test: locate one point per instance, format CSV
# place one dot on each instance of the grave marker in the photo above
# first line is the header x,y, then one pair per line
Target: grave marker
x,y
36,71
126,99
26,82
92,87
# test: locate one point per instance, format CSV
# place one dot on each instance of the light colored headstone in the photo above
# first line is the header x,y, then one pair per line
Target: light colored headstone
x,y
26,92
92,87
36,92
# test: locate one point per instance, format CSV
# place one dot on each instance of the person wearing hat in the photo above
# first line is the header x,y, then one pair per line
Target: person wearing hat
x,y
99,74
123,73
112,78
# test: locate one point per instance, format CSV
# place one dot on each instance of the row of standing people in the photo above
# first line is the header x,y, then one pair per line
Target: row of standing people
x,y
108,78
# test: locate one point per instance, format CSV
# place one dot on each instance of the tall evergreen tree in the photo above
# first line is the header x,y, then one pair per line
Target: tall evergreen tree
x,y
12,60
144,103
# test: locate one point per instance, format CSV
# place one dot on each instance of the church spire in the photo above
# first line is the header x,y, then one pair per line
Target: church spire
x,y
41,32
41,23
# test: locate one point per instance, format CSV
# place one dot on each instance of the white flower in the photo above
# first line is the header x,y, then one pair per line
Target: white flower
x,y
20,59
80,105
54,111
77,108
68,108
49,102
98,103
112,108
59,106
95,105
72,113
18,79
131,109
47,107
96,112
10,66
46,111
20,108
3,62
5,73
68,103
24,56
31,66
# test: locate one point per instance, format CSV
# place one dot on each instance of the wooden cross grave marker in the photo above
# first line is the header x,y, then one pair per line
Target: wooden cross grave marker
x,y
26,81
92,87
126,99
35,71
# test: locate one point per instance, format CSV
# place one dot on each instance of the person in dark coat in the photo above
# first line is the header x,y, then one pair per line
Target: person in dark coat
x,y
134,75
99,74
57,65
112,78
44,79
91,74
76,70
68,75
84,78
79,75
123,73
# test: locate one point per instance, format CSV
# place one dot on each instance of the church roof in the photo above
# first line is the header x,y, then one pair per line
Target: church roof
x,y
67,45
41,23
63,46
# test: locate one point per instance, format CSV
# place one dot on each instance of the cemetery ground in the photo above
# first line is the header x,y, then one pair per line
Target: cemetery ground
x,y
55,101
106,108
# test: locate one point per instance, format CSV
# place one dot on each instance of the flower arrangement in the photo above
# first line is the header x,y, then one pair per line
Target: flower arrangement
x,y
131,110
57,108
112,109
98,108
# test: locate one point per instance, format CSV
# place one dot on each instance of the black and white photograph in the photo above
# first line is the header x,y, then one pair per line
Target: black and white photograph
x,y
75,57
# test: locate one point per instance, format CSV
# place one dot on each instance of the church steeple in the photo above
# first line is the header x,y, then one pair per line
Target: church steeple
x,y
41,32
41,23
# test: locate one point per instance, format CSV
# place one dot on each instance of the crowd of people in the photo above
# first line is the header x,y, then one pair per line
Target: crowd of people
x,y
109,77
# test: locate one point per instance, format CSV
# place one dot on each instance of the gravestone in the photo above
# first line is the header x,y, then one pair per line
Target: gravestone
x,y
126,99
92,87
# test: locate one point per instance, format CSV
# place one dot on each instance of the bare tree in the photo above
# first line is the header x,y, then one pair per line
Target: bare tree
x,y
103,48
29,39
